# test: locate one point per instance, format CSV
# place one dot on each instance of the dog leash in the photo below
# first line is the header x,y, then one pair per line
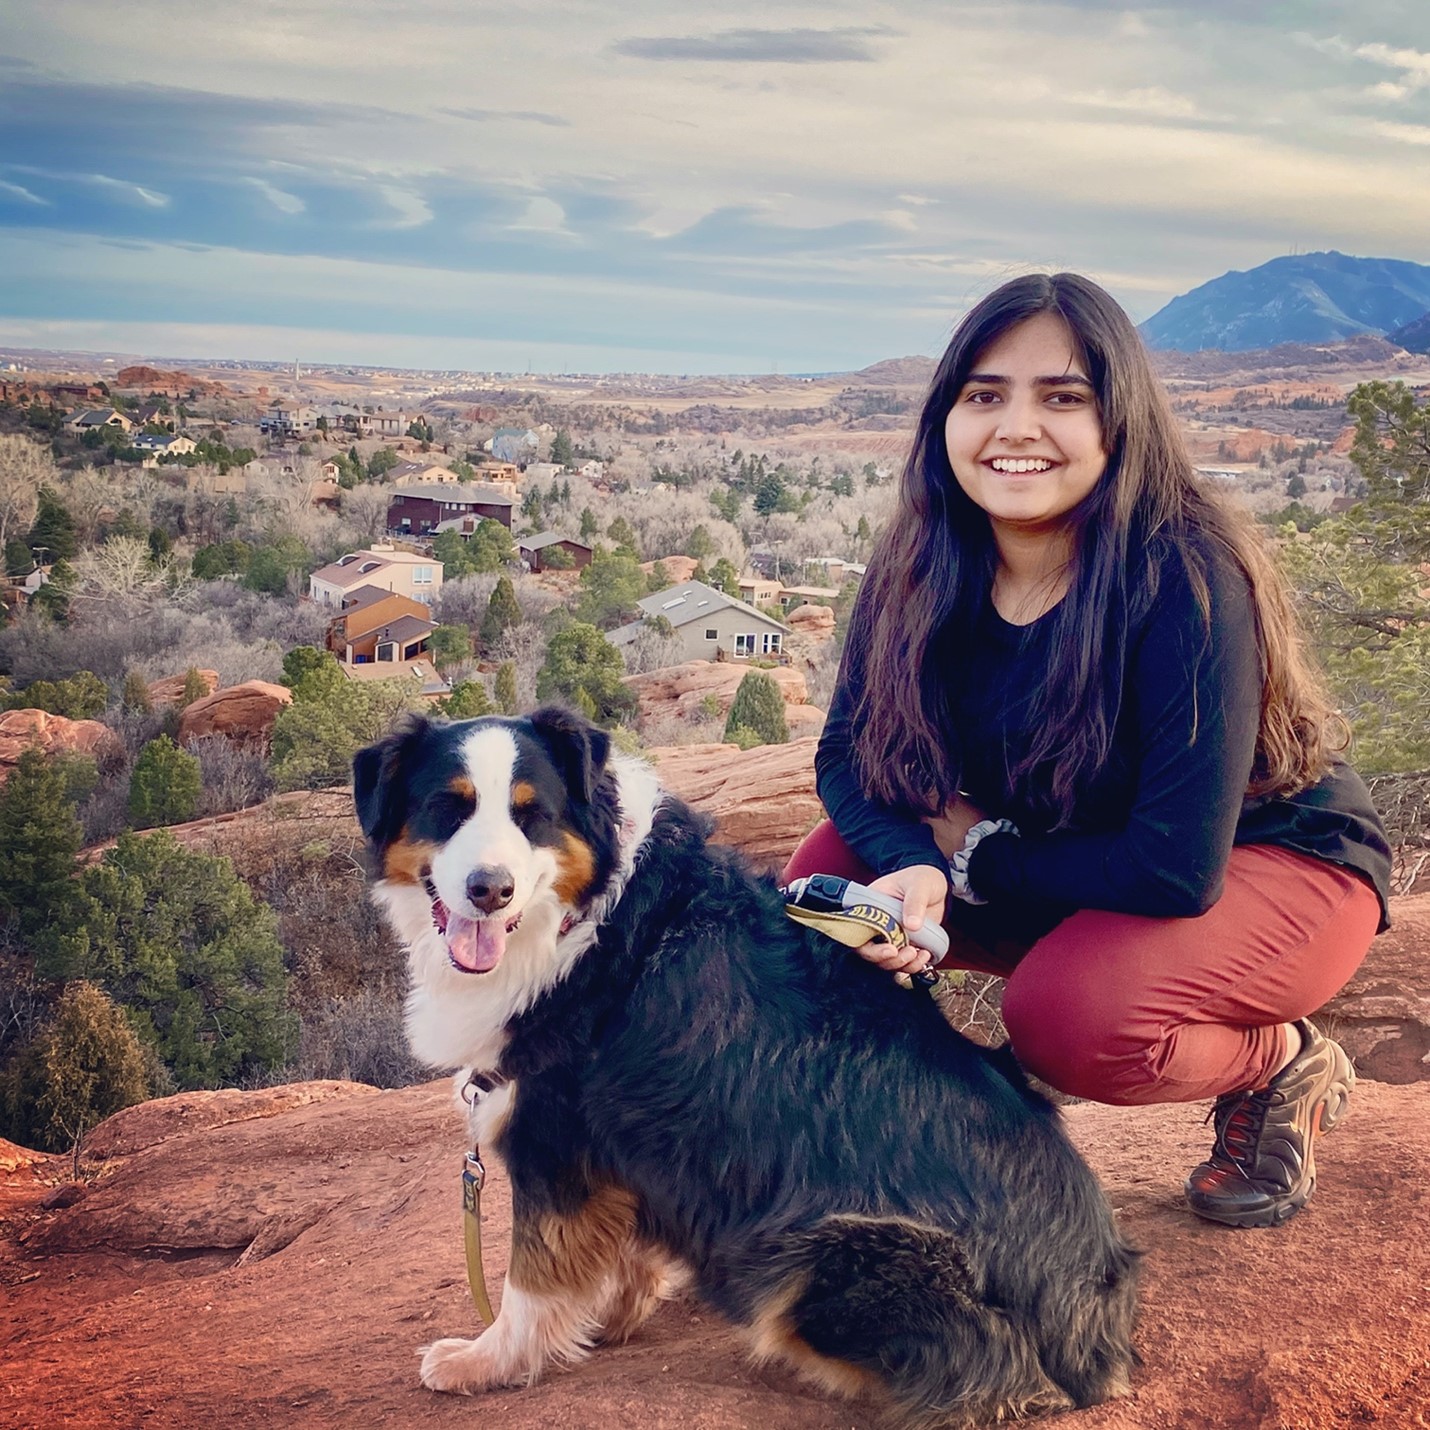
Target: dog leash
x,y
853,914
474,1178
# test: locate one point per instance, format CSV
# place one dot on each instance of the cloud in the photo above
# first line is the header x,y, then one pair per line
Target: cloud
x,y
542,215
521,116
1404,133
281,200
22,193
1155,101
411,208
789,47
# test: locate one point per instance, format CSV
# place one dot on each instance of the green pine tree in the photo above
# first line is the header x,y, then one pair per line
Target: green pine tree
x,y
757,716
583,668
39,838
165,785
503,613
504,688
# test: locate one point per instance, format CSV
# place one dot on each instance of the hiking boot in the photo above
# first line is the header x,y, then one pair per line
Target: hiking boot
x,y
1262,1171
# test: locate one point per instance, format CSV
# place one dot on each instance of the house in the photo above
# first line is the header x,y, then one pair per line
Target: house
x,y
153,414
543,472
709,624
512,444
95,417
417,577
812,595
374,624
287,419
377,424
331,471
420,510
759,590
420,473
506,475
533,549
432,687
836,569
153,445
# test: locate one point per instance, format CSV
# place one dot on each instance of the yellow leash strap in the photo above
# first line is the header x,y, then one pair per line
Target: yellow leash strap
x,y
474,1177
853,926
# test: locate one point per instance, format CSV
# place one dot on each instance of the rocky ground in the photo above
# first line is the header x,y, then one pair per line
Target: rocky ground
x,y
247,1259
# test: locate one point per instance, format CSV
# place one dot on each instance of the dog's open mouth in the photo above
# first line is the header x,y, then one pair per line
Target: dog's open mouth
x,y
473,945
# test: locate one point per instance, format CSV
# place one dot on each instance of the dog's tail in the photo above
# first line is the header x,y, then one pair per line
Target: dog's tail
x,y
863,1302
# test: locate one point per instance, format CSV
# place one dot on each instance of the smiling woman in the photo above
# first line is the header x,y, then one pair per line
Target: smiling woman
x,y
1075,724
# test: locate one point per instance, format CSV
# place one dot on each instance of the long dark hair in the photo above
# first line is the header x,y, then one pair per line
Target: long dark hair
x,y
935,562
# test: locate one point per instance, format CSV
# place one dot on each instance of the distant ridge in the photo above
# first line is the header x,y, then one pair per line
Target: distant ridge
x,y
1302,298
898,372
1413,337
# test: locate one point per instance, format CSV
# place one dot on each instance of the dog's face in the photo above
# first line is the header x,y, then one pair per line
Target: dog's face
x,y
486,833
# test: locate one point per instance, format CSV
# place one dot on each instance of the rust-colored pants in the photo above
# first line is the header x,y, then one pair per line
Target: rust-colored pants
x,y
1121,1008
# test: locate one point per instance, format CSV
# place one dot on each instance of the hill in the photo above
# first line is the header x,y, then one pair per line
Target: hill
x,y
1301,298
1414,337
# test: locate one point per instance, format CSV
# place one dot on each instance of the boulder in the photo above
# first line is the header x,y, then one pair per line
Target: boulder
x,y
170,690
814,622
1382,1016
682,690
677,568
54,734
242,713
762,800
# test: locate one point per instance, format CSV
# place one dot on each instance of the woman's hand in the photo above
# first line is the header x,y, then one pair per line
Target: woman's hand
x,y
951,827
924,891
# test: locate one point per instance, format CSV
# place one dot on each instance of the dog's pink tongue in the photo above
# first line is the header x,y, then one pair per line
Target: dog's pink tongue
x,y
476,944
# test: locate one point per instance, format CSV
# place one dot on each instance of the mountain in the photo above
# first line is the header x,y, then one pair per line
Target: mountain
x,y
1414,337
1302,298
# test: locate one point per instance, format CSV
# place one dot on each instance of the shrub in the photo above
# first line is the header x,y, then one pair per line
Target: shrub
x,y
503,612
85,1064
39,838
757,716
585,669
504,688
179,941
468,701
164,786
82,696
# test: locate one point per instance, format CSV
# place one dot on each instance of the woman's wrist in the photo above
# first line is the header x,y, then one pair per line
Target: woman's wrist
x,y
958,884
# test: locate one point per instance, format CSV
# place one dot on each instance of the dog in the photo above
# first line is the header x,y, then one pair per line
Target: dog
x,y
680,1080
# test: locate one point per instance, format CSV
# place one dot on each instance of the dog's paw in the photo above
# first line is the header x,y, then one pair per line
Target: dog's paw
x,y
459,1367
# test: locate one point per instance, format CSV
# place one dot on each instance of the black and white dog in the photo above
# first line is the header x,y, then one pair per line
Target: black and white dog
x,y
687,1082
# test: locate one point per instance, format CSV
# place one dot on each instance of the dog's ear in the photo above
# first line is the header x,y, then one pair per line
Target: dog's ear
x,y
579,748
379,780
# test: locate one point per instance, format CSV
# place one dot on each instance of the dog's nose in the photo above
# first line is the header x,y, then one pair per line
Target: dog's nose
x,y
490,889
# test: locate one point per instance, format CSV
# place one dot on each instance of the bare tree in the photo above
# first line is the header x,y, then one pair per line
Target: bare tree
x,y
25,467
364,510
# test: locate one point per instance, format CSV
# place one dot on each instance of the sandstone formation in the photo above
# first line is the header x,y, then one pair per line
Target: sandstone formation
x,y
54,734
243,713
1382,1016
812,621
677,568
682,690
170,690
241,1261
762,800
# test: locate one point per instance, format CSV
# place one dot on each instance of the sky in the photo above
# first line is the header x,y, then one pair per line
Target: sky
x,y
565,185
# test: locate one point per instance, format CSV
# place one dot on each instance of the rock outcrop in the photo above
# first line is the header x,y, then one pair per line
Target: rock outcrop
x,y
170,690
242,713
811,621
246,1260
683,690
762,800
53,734
677,568
1382,1016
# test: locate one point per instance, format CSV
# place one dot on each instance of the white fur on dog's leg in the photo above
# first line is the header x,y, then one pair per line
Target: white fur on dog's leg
x,y
530,1330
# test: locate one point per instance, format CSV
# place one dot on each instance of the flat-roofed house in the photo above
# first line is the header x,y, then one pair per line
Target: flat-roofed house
x,y
417,577
709,624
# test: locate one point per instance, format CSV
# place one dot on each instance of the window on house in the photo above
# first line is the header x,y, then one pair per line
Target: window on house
x,y
387,650
712,634
772,642
745,644
421,575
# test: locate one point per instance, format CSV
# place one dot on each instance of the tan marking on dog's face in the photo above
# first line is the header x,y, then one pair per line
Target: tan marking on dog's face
x,y
554,1255
407,861
772,1336
575,869
462,785
522,794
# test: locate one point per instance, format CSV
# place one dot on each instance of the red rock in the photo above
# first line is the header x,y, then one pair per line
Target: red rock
x,y
1382,1016
54,734
682,690
762,800
677,568
811,620
170,690
243,713
282,1269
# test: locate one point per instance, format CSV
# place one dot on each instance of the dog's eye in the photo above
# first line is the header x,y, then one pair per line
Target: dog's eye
x,y
527,815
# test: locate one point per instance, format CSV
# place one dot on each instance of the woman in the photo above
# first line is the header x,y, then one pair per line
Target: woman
x,y
1074,722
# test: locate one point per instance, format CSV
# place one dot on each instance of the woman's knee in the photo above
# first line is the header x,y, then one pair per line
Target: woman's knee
x,y
1076,1038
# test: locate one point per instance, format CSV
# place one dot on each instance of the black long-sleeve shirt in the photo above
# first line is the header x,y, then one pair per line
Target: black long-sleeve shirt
x,y
1152,833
